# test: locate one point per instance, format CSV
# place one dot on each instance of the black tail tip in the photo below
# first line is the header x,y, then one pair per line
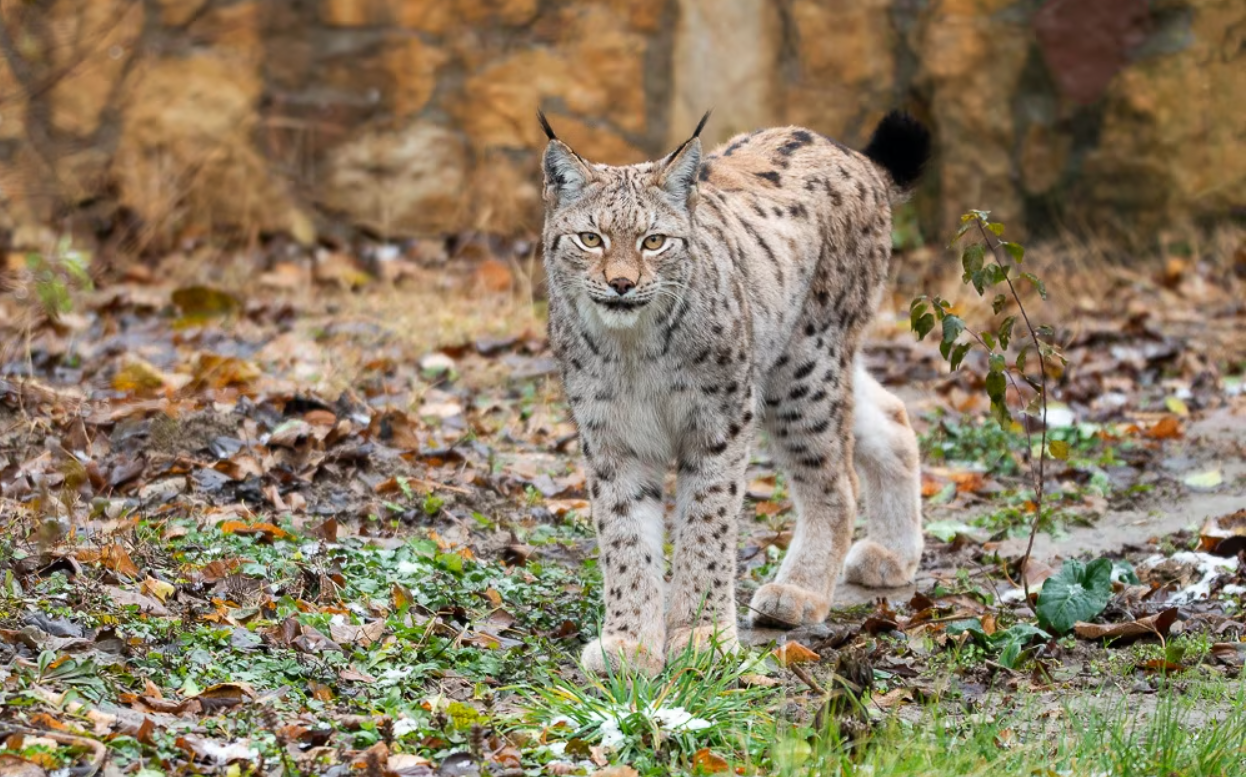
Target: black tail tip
x,y
900,145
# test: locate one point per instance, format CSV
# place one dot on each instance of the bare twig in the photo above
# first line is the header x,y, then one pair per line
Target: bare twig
x,y
807,679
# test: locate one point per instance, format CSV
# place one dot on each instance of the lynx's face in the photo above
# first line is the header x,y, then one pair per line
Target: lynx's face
x,y
616,238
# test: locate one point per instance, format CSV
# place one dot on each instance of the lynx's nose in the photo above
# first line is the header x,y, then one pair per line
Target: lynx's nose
x,y
622,286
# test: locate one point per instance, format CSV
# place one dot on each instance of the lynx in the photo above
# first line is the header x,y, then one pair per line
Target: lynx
x,y
695,300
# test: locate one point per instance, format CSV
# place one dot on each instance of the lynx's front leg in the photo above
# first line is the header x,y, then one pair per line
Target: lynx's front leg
x,y
626,497
710,493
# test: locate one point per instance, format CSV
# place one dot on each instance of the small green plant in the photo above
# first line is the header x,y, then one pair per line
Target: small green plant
x,y
54,276
1009,643
1076,593
991,262
696,702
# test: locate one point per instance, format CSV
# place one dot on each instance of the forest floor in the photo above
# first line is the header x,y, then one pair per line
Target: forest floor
x,y
328,517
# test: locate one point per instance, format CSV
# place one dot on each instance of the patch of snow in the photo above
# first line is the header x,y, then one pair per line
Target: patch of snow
x,y
1207,565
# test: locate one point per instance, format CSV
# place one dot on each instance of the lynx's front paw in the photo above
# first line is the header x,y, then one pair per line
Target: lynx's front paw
x,y
874,566
722,640
613,654
787,606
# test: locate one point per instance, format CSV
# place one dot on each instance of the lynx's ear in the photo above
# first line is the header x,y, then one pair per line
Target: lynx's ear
x,y
566,172
678,173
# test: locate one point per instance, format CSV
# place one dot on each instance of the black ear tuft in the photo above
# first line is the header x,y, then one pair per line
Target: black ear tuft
x,y
696,133
901,146
549,131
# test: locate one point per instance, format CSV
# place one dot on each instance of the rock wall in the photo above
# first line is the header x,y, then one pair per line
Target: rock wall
x,y
180,118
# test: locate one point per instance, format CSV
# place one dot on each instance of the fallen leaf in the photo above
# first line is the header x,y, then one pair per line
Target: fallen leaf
x,y
1176,406
365,635
1123,633
1167,428
758,681
113,556
968,481
1224,535
1209,479
13,766
706,761
1160,665
199,304
146,604
158,588
138,376
267,531
794,653
616,771
893,698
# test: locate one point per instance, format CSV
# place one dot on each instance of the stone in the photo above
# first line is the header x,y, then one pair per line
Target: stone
x,y
1086,44
846,53
185,160
409,179
412,66
598,73
435,16
726,56
971,63
1044,158
1173,139
92,41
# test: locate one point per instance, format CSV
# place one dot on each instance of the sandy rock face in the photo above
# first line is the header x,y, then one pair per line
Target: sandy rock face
x,y
416,116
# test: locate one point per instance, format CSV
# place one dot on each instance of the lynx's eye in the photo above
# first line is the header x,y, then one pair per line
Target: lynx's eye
x,y
590,239
654,242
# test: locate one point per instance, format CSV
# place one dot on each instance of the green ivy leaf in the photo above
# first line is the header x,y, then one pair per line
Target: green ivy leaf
x,y
999,303
1032,278
1075,593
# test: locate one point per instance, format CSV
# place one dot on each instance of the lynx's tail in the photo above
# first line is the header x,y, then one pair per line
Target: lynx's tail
x,y
901,146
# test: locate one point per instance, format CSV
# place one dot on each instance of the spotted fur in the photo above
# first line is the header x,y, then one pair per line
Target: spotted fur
x,y
748,315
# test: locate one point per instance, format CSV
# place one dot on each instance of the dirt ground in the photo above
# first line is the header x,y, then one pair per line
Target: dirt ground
x,y
336,399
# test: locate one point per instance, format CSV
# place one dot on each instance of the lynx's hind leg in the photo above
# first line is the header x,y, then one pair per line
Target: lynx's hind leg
x,y
809,418
889,471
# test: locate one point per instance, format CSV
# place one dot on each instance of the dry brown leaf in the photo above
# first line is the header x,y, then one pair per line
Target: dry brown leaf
x,y
616,771
1153,625
707,761
112,556
1167,428
794,653
267,531
758,681
1224,535
146,604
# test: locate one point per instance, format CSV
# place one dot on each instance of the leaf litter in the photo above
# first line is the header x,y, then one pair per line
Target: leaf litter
x,y
336,525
